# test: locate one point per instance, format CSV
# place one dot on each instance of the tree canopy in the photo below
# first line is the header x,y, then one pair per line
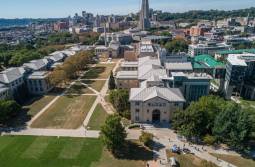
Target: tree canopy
x,y
113,133
8,109
177,45
112,84
71,67
214,119
233,126
207,15
120,100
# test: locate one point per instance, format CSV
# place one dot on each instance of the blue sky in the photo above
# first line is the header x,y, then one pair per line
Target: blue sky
x,y
64,8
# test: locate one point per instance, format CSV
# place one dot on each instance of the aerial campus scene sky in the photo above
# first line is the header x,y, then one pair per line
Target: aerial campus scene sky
x,y
64,8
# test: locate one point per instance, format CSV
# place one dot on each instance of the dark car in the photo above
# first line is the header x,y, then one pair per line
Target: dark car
x,y
186,150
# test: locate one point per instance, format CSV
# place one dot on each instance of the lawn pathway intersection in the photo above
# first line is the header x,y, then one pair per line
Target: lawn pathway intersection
x,y
83,131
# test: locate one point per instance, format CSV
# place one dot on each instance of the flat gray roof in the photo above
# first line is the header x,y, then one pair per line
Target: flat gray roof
x,y
127,75
179,66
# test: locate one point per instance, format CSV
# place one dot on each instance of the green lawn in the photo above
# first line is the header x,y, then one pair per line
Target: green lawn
x,y
38,104
28,151
78,88
101,71
68,112
236,160
189,160
248,103
132,155
98,118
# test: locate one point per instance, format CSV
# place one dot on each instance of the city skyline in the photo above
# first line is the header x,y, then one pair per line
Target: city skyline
x,y
64,8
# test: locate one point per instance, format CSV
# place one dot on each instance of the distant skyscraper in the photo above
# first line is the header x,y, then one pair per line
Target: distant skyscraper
x,y
145,15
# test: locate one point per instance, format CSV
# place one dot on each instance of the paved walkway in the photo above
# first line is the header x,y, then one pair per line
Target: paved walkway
x,y
55,132
162,143
82,131
100,100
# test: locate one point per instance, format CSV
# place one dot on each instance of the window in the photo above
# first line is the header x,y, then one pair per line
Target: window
x,y
176,104
148,111
137,110
137,103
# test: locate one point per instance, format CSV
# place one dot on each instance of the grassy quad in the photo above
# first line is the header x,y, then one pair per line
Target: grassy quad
x,y
95,84
78,88
98,118
68,112
37,104
236,160
101,71
28,151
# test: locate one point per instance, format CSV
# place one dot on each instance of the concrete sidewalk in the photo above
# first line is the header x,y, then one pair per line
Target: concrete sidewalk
x,y
55,132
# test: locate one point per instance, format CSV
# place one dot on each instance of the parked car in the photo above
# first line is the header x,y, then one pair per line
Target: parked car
x,y
186,151
176,149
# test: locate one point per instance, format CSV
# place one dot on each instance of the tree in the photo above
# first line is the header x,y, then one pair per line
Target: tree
x,y
198,119
191,122
113,134
120,100
9,109
177,45
112,84
233,126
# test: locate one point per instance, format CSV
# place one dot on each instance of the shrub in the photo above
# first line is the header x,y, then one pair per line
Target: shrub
x,y
134,126
146,138
208,139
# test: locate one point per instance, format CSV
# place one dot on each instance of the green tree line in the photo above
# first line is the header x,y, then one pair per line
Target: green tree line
x,y
215,120
207,15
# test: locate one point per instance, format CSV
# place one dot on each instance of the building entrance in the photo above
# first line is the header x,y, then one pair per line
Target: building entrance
x,y
156,116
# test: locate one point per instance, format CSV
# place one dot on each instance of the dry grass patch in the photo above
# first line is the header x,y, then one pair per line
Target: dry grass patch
x,y
236,160
189,160
95,84
101,71
78,88
38,104
132,155
68,112
98,118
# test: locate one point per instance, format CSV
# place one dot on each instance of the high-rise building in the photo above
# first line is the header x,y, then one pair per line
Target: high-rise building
x,y
145,15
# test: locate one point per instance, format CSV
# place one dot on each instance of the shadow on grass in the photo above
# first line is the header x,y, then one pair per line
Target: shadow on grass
x,y
57,91
88,82
76,89
134,151
94,73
